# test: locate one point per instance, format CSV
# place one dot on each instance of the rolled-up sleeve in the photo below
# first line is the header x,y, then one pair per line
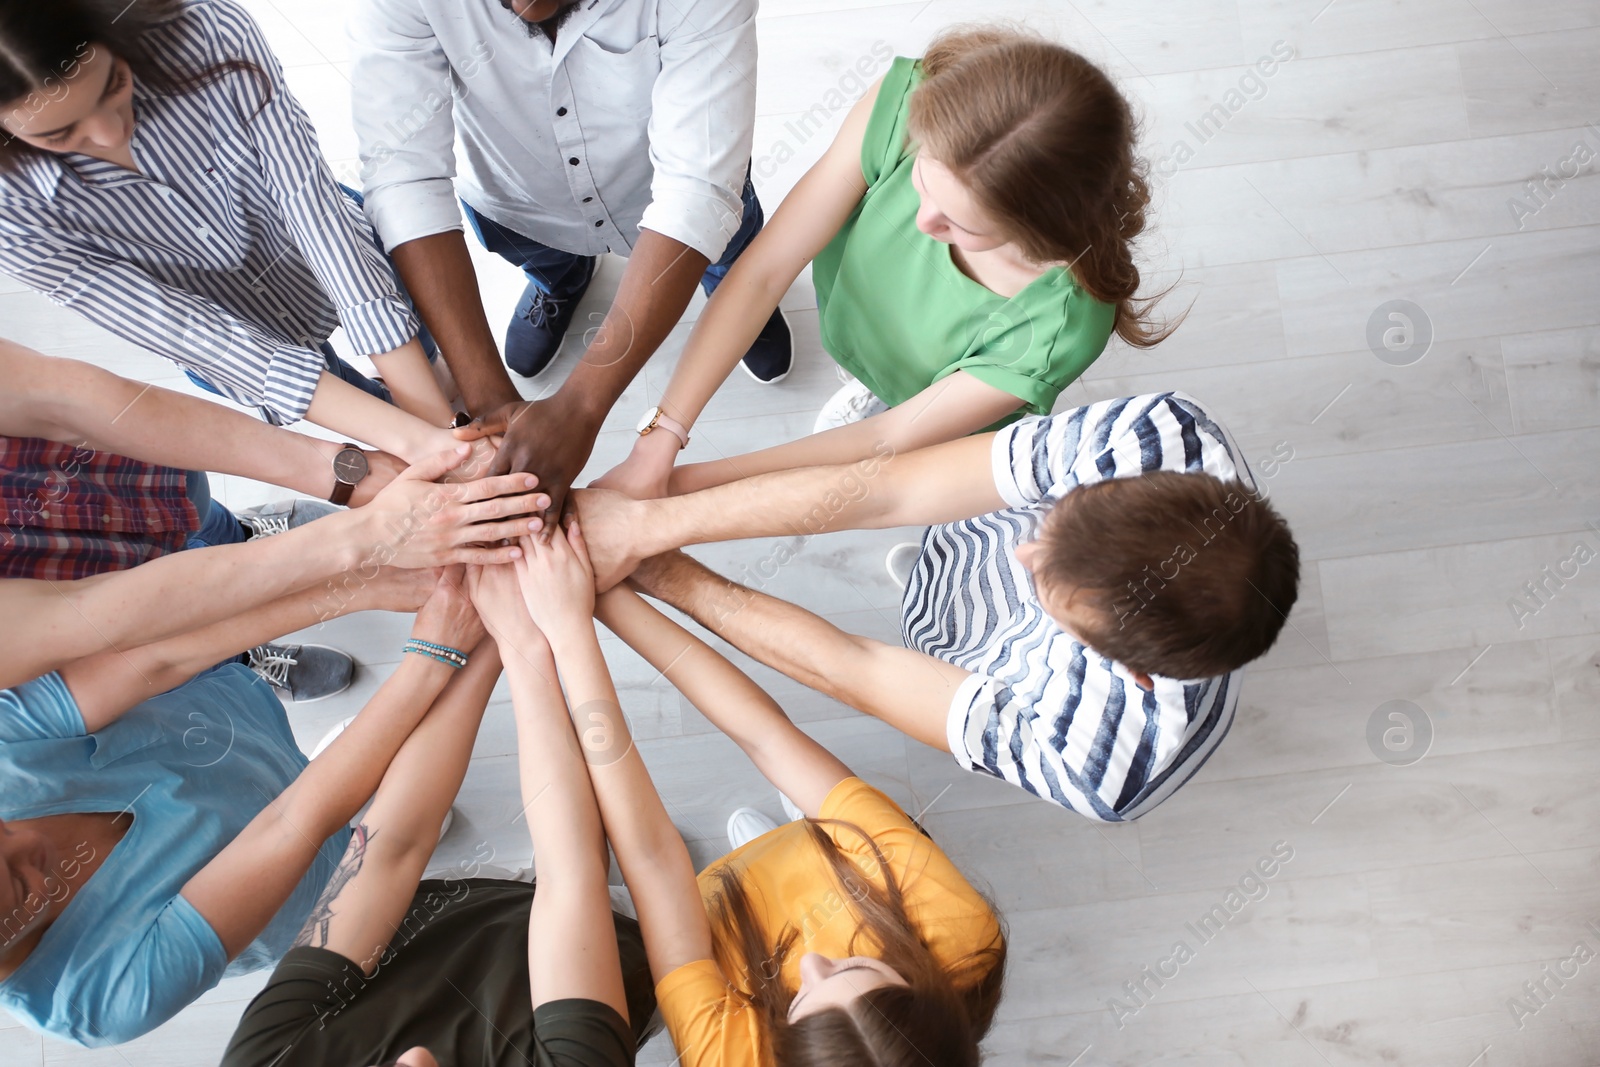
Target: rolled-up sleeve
x,y
244,362
325,226
403,120
701,123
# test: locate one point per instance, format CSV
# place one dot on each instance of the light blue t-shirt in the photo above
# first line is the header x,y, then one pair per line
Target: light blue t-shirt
x,y
193,767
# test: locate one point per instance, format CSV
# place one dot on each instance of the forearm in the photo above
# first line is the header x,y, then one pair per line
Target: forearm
x,y
350,412
438,273
842,445
410,381
655,288
79,404
108,684
48,624
781,635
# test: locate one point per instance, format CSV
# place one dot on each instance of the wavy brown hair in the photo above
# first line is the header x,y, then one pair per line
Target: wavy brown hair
x,y
1045,142
43,43
936,1020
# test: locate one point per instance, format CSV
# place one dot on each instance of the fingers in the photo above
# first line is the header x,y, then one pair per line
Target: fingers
x,y
478,429
436,466
484,555
497,485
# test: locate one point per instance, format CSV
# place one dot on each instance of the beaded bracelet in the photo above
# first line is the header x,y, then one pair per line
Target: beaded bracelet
x,y
442,653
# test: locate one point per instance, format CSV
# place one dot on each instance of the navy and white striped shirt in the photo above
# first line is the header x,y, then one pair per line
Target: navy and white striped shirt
x,y
1042,710
233,251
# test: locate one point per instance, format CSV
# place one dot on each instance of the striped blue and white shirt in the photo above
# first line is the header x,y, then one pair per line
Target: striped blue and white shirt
x,y
1041,710
232,250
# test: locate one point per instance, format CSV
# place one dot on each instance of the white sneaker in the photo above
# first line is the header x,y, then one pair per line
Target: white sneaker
x,y
900,560
852,403
790,808
747,824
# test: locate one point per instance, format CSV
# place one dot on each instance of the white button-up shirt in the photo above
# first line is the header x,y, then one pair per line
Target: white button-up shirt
x,y
638,115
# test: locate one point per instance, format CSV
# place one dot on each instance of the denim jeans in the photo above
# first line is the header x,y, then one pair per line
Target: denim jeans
x,y
553,270
330,359
217,524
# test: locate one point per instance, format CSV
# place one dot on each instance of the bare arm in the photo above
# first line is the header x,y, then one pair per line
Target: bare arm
x,y
947,410
652,855
907,689
438,272
411,383
240,890
942,483
341,407
802,225
368,897
798,766
412,523
572,944
108,684
77,403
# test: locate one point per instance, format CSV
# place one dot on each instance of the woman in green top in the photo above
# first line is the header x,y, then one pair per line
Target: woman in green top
x,y
969,230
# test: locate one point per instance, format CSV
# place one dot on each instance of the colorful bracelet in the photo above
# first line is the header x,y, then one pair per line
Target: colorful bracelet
x,y
442,653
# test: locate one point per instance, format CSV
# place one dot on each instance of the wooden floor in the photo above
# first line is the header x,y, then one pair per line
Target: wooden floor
x,y
1387,159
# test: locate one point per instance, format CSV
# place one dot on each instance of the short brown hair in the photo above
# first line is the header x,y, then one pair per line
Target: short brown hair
x,y
1189,576
1046,143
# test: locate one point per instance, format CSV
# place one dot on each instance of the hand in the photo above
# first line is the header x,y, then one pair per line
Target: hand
x,y
646,473
479,462
497,594
557,582
448,618
416,523
382,468
610,526
540,437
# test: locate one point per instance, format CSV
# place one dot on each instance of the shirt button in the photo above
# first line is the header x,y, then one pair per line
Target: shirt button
x,y
561,111
202,232
588,199
599,222
573,161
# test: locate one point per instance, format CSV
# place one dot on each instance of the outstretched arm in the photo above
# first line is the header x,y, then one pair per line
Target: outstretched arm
x,y
572,944
942,483
652,855
798,766
948,409
79,404
367,898
412,523
908,690
243,887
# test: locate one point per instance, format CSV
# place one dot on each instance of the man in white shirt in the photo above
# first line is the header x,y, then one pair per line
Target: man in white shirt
x,y
1078,617
585,126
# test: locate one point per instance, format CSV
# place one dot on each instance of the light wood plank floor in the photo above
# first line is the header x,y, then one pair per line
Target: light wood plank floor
x,y
1384,161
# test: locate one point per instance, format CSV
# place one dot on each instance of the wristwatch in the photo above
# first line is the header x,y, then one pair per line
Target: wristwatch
x,y
656,417
349,467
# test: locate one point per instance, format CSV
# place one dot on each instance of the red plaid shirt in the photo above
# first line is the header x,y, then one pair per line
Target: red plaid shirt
x,y
74,512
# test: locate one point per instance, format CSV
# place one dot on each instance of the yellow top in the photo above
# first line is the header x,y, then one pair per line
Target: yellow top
x,y
790,884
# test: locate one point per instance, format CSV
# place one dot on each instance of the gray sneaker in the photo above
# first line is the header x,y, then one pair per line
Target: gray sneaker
x,y
303,673
264,520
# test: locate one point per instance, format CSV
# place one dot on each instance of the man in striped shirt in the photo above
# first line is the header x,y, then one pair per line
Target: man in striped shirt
x,y
1077,621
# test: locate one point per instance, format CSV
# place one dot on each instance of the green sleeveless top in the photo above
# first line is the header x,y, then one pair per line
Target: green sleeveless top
x,y
897,312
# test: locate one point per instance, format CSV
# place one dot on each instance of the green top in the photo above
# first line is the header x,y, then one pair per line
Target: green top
x,y
897,312
455,981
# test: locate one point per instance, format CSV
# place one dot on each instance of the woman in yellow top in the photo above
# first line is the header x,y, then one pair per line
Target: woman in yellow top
x,y
845,937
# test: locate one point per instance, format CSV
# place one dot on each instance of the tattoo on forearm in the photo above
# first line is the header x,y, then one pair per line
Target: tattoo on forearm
x,y
315,932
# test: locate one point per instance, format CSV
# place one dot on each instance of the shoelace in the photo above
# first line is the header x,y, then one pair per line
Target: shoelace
x,y
272,663
544,308
266,525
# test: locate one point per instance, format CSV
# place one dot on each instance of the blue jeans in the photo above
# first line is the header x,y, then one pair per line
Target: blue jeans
x,y
217,524
558,272
330,359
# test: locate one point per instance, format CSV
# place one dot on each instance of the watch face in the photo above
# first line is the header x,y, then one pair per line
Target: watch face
x,y
350,465
648,420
